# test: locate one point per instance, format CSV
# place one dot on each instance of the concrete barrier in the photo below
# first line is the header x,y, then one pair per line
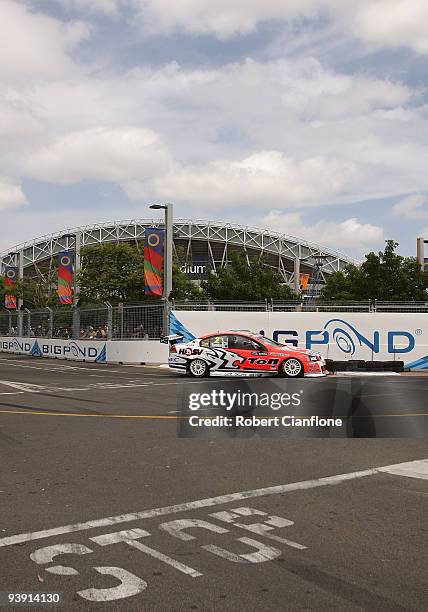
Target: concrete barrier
x,y
121,351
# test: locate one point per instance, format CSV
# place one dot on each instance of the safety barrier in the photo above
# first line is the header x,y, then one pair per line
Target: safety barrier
x,y
336,335
121,351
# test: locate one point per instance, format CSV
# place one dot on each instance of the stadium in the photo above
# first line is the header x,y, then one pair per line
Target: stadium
x,y
206,244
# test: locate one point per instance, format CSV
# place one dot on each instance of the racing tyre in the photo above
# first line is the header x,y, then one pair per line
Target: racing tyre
x,y
198,368
291,368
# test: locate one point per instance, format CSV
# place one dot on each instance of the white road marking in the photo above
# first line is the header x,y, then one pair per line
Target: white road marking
x,y
414,469
262,529
12,393
168,560
175,528
130,535
263,553
120,536
52,366
129,585
417,466
23,386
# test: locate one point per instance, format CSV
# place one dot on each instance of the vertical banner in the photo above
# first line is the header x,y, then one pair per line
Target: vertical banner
x,y
304,281
65,277
153,261
10,278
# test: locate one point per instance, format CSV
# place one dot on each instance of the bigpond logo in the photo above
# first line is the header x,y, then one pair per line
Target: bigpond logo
x,y
348,338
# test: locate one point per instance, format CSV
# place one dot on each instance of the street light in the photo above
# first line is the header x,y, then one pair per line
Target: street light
x,y
167,275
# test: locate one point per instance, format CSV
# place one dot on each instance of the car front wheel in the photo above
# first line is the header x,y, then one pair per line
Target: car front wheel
x,y
291,368
198,368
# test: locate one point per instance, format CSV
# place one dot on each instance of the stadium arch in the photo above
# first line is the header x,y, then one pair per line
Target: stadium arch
x,y
210,241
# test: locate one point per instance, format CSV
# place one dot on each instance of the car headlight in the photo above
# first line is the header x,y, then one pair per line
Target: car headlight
x,y
314,358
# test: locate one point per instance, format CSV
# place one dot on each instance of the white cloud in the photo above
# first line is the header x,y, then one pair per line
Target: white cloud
x,y
326,137
378,23
349,233
35,45
11,195
389,23
110,154
394,23
264,179
271,134
224,18
412,207
107,7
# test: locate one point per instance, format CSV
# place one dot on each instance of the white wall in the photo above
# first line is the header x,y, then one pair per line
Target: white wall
x,y
136,351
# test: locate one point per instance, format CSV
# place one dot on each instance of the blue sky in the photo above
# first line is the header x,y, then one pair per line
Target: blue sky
x,y
309,117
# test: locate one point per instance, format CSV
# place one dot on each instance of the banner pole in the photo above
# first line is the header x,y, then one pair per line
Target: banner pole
x,y
76,287
20,302
167,264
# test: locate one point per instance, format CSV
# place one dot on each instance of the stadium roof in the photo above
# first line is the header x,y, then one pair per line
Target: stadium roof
x,y
209,240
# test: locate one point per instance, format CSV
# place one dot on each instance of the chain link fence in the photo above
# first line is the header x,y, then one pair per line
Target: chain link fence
x,y
145,321
104,322
303,306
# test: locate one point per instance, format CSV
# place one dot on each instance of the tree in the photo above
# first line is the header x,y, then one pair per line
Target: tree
x,y
382,276
111,273
243,280
115,273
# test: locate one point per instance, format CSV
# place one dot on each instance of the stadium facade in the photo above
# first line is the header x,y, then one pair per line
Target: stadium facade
x,y
203,244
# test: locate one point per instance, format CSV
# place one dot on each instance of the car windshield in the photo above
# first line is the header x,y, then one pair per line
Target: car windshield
x,y
268,341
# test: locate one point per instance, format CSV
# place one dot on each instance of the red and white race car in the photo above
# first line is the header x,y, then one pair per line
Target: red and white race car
x,y
243,353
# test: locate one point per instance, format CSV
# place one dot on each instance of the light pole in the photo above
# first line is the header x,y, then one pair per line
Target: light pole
x,y
20,300
167,268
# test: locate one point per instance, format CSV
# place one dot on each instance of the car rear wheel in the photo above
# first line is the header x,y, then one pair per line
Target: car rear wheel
x,y
291,368
198,368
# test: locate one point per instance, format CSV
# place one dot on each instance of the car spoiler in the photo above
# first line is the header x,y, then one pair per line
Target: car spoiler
x,y
173,339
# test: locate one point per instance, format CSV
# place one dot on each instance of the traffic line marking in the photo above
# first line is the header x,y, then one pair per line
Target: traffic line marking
x,y
413,469
405,469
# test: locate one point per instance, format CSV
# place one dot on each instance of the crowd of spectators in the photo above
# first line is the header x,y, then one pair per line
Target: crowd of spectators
x,y
89,332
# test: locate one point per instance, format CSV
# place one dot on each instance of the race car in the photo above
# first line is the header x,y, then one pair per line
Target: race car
x,y
243,353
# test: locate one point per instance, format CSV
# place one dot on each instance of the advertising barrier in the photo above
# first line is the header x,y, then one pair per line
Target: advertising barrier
x,y
338,336
143,351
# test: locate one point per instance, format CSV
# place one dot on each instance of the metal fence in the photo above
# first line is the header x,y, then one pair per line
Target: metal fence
x,y
104,322
145,321
304,306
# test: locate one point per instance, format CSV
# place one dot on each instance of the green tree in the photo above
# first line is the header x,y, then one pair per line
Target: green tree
x,y
383,276
115,273
111,273
243,280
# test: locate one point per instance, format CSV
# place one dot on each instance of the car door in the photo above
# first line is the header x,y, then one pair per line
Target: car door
x,y
254,355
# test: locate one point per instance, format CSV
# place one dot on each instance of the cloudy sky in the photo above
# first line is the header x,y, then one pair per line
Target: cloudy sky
x,y
304,116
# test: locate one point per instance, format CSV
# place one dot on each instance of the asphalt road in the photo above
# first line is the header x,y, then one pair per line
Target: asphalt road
x,y
225,523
